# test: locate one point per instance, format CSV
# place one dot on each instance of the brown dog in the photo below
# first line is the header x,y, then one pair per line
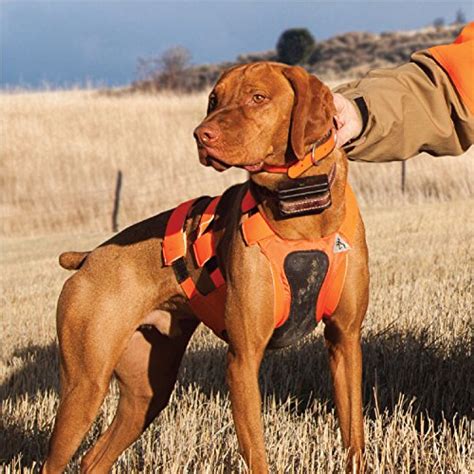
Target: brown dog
x,y
260,116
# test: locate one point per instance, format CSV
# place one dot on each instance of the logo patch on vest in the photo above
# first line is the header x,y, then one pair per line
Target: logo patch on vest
x,y
340,245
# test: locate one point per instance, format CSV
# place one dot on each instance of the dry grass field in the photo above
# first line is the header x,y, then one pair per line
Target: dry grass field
x,y
59,155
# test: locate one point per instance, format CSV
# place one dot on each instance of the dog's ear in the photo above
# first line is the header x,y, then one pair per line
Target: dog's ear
x,y
313,109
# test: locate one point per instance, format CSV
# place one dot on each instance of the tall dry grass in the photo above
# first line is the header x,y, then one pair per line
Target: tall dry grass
x,y
60,153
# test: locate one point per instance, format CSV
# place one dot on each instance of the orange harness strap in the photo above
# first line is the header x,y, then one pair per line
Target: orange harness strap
x,y
204,245
174,243
349,224
208,215
174,247
255,228
332,288
174,250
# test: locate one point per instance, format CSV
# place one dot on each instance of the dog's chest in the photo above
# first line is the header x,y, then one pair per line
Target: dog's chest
x,y
298,278
307,276
305,271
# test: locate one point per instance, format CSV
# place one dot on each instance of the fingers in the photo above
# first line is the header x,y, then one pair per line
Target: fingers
x,y
348,120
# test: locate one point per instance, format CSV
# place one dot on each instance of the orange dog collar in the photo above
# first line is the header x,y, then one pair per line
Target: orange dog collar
x,y
318,152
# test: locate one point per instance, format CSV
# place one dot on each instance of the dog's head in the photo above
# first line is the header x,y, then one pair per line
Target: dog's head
x,y
263,113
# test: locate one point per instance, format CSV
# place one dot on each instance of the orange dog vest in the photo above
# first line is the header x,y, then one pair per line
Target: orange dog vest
x,y
308,275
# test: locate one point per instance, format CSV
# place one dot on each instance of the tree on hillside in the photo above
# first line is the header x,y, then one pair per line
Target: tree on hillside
x,y
439,22
167,70
460,17
294,45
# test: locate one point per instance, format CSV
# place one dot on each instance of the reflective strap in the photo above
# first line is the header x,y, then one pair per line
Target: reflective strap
x,y
189,288
174,242
348,227
331,291
256,228
204,248
281,296
217,278
174,246
208,215
204,244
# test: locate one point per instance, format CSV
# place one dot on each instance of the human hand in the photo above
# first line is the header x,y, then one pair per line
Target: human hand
x,y
348,120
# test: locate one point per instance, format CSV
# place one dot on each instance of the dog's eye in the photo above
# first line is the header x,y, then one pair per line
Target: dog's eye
x,y
212,104
258,98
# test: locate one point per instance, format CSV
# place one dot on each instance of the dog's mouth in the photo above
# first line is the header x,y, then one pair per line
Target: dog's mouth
x,y
208,157
254,168
219,165
216,163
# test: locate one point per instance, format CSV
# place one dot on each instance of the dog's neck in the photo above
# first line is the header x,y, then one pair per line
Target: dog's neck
x,y
313,226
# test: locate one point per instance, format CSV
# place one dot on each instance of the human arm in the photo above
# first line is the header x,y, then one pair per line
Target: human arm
x,y
409,109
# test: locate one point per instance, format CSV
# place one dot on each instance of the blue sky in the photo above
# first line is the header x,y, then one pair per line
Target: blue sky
x,y
70,42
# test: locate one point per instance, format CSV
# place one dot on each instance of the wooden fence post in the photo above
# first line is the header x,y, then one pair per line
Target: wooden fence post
x,y
115,211
404,175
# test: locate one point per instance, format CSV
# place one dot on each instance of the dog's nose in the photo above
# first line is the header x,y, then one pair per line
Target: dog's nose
x,y
206,135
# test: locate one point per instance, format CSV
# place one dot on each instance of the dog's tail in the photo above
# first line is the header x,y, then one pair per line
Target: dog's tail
x,y
72,260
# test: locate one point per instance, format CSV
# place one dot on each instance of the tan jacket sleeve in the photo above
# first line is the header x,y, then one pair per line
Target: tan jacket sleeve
x,y
410,109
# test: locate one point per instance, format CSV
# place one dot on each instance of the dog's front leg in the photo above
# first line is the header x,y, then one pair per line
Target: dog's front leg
x,y
242,376
249,324
342,334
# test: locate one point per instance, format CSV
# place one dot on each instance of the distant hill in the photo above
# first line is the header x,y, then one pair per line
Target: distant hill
x,y
349,55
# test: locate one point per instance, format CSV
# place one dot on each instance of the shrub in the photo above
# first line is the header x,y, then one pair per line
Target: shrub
x,y
295,45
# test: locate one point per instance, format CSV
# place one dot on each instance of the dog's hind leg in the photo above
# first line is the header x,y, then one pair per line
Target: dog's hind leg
x,y
146,374
91,342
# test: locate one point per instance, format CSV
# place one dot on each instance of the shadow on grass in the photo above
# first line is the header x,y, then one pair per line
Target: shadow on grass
x,y
38,375
39,372
29,443
395,365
